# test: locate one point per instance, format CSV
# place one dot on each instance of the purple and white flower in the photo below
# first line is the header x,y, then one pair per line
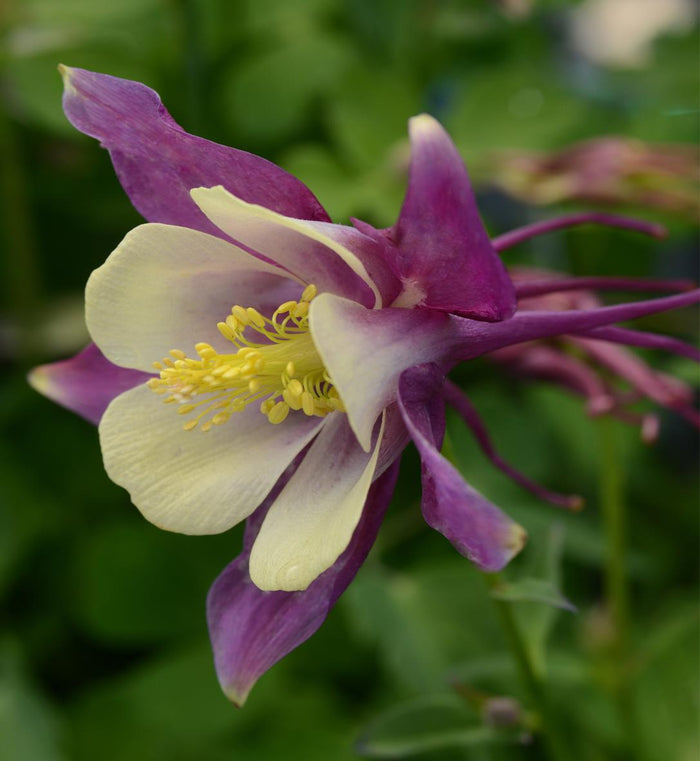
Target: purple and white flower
x,y
300,358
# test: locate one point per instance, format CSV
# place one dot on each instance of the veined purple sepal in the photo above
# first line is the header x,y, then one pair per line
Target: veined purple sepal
x,y
251,630
158,163
446,257
85,383
476,528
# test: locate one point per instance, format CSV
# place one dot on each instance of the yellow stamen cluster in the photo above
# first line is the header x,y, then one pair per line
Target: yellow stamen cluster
x,y
284,371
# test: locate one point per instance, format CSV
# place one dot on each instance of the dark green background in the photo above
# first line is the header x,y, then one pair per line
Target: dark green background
x,y
103,652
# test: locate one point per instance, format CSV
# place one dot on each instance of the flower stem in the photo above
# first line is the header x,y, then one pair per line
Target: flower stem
x,y
614,518
556,748
192,62
616,589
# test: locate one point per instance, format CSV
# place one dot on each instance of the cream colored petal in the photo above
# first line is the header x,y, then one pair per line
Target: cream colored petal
x,y
190,481
366,350
166,287
312,521
301,247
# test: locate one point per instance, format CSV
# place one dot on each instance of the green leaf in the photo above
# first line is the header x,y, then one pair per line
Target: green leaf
x,y
134,586
386,610
533,590
667,692
369,117
272,94
28,726
431,723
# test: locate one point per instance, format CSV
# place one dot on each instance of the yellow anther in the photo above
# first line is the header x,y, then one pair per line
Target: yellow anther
x,y
156,365
281,370
255,317
278,413
309,292
293,402
204,350
307,403
301,309
240,314
226,331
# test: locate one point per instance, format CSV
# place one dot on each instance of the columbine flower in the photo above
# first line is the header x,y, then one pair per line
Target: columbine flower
x,y
300,357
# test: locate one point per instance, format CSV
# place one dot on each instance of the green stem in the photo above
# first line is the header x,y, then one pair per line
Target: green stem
x,y
616,587
192,63
557,749
615,522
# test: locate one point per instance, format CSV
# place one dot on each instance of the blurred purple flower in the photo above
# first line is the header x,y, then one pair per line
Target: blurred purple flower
x,y
341,337
606,170
610,378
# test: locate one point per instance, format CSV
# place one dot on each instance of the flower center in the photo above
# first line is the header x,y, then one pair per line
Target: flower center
x,y
284,372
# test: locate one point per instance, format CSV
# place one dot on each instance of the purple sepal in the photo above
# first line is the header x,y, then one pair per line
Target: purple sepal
x,y
251,630
645,340
457,399
512,238
444,248
158,163
661,388
548,363
475,527
85,383
476,338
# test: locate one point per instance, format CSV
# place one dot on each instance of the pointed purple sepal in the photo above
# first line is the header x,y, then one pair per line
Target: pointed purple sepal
x,y
158,163
475,527
251,630
445,251
476,338
85,383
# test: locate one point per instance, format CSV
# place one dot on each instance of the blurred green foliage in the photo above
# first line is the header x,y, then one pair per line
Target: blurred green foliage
x,y
103,652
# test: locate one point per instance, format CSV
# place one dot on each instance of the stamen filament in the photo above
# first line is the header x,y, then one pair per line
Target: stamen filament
x,y
282,371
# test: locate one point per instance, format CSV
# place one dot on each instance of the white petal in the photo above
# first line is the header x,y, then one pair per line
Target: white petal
x,y
366,350
299,246
313,519
190,481
166,287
